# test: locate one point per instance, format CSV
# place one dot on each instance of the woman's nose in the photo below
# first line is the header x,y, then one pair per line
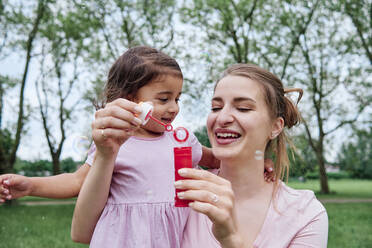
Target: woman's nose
x,y
224,117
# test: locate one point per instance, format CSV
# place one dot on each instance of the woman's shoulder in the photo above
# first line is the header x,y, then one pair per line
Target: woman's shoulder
x,y
301,201
296,212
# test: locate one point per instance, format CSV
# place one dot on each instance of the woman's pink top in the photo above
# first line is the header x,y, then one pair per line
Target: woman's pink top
x,y
301,221
140,211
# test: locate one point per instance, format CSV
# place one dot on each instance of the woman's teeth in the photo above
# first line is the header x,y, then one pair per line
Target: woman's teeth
x,y
227,135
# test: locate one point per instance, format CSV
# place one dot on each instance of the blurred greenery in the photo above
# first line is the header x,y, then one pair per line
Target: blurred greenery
x,y
44,167
202,135
349,225
36,226
343,188
356,156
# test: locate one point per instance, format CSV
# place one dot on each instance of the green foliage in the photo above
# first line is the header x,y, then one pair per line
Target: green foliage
x,y
69,165
202,135
302,159
36,168
356,157
6,146
330,175
43,167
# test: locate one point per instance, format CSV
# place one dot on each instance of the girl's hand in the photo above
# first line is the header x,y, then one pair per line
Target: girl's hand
x,y
13,186
214,197
114,124
269,174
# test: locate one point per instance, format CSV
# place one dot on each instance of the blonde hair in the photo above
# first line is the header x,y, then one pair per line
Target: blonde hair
x,y
279,105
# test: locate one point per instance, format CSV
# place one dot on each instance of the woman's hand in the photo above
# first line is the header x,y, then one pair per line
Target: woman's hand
x,y
114,124
214,197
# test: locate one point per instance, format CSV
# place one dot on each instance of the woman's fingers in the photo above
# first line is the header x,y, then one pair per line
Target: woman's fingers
x,y
203,175
218,200
215,214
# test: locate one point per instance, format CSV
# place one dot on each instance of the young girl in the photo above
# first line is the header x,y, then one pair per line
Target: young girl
x,y
127,199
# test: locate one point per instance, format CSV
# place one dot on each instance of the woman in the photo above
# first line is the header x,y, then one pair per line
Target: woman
x,y
237,207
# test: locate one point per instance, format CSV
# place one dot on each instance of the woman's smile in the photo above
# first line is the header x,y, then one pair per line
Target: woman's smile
x,y
226,136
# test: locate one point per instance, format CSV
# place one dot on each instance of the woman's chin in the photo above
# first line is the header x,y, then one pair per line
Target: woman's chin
x,y
224,153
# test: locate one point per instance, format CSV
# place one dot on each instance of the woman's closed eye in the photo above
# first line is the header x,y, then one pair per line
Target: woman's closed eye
x,y
244,109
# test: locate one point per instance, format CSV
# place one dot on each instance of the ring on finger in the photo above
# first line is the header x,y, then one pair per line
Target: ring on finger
x,y
103,133
215,198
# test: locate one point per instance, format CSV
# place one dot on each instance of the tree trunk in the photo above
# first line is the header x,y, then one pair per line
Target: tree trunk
x,y
29,46
324,189
56,165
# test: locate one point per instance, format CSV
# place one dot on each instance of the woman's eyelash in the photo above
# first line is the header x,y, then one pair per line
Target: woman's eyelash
x,y
244,109
215,109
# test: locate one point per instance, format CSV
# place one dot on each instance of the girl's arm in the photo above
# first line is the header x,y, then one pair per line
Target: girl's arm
x,y
92,198
112,126
208,159
67,185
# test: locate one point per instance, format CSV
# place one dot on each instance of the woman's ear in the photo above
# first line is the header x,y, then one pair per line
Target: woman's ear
x,y
277,127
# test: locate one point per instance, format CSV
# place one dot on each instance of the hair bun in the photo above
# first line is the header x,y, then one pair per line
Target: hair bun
x,y
291,114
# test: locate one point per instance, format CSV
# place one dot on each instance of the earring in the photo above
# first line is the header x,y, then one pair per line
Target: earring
x,y
273,135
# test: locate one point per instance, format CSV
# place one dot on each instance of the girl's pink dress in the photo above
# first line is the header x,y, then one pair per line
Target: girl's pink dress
x,y
140,208
297,220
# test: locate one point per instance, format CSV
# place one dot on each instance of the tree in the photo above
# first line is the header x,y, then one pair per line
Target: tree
x,y
356,156
245,31
22,23
329,74
360,14
63,36
124,24
255,31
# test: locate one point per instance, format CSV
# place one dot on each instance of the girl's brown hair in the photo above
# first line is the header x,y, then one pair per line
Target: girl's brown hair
x,y
134,69
279,105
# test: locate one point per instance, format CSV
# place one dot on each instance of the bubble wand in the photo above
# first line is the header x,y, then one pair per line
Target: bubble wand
x,y
146,115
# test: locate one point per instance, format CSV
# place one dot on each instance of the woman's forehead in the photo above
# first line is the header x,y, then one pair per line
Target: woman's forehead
x,y
237,87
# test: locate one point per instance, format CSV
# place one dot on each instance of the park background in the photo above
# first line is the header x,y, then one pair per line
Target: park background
x,y
55,55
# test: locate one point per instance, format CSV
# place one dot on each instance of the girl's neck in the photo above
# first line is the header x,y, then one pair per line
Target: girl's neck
x,y
143,133
246,177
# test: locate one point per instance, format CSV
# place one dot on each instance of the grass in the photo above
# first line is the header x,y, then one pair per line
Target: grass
x,y
36,226
343,188
350,225
37,199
